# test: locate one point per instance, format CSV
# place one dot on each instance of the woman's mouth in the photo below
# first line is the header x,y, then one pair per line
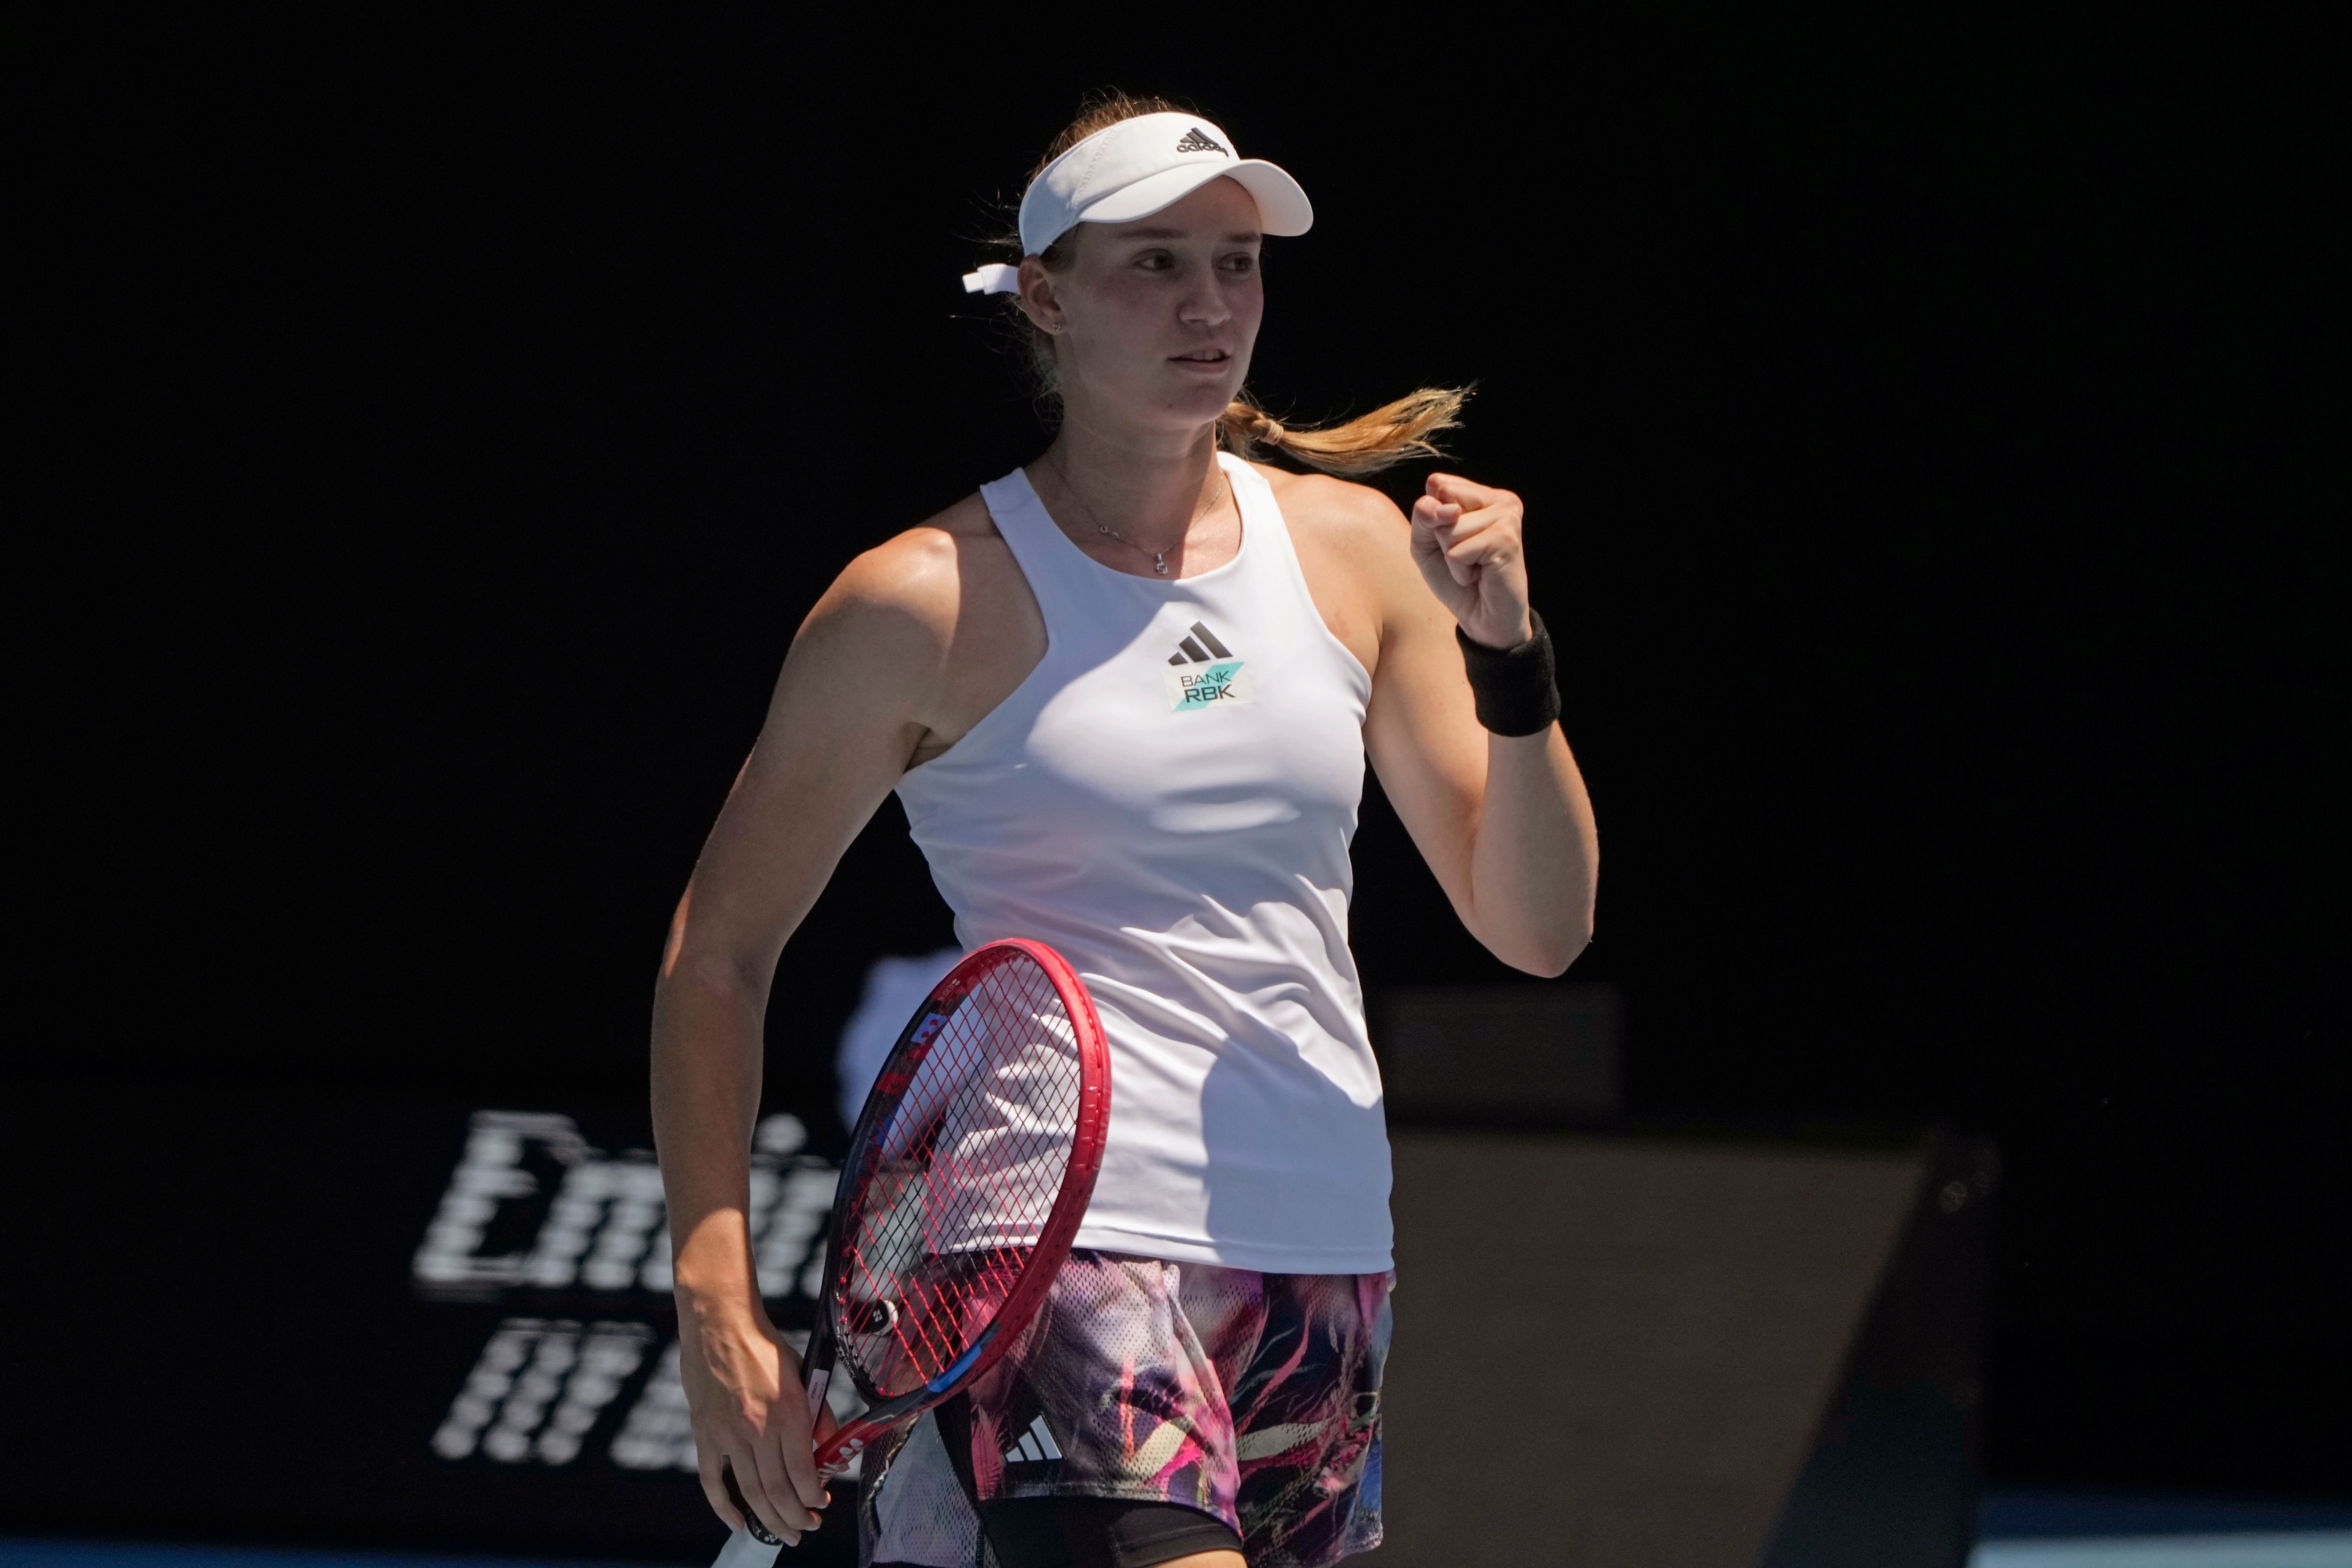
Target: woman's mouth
x,y
1203,359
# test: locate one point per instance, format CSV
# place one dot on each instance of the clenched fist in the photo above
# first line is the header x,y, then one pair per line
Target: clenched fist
x,y
1466,539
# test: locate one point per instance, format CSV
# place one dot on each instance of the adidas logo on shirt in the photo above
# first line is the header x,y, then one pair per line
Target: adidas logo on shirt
x,y
1037,1444
1206,674
1200,647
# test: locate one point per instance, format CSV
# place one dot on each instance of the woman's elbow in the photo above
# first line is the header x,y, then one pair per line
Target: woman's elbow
x,y
1556,958
1545,954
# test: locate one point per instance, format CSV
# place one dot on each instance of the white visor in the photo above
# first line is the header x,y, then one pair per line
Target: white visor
x,y
1134,169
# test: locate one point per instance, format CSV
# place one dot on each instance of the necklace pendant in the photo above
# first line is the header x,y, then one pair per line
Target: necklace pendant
x,y
1159,562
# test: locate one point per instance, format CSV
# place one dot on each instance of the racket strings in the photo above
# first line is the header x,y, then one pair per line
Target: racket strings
x,y
959,1180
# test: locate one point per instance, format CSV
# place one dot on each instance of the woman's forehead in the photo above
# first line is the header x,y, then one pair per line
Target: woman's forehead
x,y
1220,211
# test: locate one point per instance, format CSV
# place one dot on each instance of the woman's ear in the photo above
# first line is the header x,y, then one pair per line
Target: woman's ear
x,y
1040,301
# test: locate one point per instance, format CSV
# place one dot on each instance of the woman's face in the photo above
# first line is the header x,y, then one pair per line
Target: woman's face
x,y
1153,320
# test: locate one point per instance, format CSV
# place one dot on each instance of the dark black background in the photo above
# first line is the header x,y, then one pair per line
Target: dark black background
x,y
1921,435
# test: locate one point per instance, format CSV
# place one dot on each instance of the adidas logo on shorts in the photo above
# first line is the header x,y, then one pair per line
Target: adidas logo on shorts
x,y
1037,1444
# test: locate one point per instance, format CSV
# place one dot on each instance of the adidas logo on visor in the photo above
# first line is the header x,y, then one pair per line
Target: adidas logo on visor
x,y
1035,1444
1200,647
1198,140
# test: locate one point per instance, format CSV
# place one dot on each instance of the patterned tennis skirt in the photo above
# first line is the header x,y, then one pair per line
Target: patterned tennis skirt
x,y
1251,1397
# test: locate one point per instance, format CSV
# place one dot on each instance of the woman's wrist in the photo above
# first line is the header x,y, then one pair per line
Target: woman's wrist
x,y
1516,689
712,1276
721,1308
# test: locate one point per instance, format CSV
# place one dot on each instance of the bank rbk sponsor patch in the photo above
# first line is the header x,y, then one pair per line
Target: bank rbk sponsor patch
x,y
1203,686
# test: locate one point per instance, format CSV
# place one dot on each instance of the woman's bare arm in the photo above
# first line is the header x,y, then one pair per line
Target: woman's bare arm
x,y
855,699
1504,822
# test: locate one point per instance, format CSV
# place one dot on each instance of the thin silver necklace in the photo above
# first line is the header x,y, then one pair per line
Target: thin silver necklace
x,y
1159,557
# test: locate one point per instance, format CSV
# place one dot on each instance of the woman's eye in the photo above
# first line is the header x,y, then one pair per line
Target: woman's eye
x,y
1155,261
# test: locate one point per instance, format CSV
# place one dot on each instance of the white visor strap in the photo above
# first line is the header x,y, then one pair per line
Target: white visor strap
x,y
994,278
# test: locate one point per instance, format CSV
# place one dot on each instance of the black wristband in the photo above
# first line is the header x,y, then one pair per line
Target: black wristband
x,y
1515,687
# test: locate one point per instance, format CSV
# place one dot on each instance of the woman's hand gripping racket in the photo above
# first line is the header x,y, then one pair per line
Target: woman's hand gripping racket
x,y
967,1176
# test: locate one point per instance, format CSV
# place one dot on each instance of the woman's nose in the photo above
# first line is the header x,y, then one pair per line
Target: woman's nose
x,y
1205,305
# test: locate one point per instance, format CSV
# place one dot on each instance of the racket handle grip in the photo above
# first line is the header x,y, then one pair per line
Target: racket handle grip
x,y
744,1550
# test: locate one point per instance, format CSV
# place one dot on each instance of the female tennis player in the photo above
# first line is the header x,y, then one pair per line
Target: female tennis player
x,y
1126,694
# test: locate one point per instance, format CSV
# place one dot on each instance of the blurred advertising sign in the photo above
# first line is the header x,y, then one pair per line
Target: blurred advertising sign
x,y
533,1207
373,1321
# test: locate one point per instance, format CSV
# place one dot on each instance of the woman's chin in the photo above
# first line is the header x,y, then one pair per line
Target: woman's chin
x,y
1198,398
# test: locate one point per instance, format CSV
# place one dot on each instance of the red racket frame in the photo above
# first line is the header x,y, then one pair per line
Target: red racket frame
x,y
1054,1238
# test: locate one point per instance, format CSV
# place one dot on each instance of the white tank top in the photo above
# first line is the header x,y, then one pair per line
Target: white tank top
x,y
1168,801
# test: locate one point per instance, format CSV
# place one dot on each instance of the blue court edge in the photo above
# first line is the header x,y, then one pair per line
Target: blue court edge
x,y
2256,1548
2069,1530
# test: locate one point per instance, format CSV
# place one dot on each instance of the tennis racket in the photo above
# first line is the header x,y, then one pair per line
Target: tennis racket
x,y
968,1173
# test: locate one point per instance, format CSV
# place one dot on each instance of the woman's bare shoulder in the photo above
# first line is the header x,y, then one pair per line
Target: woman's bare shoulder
x,y
940,614
1355,550
920,572
1334,511
1347,530
936,624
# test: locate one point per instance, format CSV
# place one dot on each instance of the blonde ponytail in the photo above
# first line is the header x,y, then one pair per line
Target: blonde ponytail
x,y
1365,444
